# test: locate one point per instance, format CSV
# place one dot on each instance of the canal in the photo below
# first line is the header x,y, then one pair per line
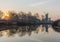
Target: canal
x,y
31,33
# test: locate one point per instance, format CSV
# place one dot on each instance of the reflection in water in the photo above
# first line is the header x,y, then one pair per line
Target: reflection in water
x,y
56,29
20,30
46,26
56,25
23,30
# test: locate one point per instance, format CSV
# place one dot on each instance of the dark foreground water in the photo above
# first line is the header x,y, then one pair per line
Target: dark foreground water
x,y
29,34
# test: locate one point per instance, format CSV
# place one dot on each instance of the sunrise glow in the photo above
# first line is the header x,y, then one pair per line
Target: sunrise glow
x,y
6,16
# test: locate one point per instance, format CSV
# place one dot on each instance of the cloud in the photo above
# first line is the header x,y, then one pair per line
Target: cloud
x,y
38,4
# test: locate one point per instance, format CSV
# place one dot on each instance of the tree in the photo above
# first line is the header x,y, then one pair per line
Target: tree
x,y
1,13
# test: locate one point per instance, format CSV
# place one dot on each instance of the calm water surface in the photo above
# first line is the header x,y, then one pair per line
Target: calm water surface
x,y
28,34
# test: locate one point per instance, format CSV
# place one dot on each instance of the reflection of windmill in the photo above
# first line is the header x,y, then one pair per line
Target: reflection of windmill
x,y
45,27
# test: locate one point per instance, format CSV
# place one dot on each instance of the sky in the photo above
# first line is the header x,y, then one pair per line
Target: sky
x,y
40,6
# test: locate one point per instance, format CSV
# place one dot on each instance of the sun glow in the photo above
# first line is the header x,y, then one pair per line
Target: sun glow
x,y
6,16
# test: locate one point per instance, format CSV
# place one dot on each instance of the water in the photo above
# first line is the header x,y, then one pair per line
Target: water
x,y
41,33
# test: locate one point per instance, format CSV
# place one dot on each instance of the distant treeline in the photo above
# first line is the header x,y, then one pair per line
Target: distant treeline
x,y
22,17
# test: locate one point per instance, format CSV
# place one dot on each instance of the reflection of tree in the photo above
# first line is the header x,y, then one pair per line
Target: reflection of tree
x,y
27,30
21,31
11,32
1,34
56,29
